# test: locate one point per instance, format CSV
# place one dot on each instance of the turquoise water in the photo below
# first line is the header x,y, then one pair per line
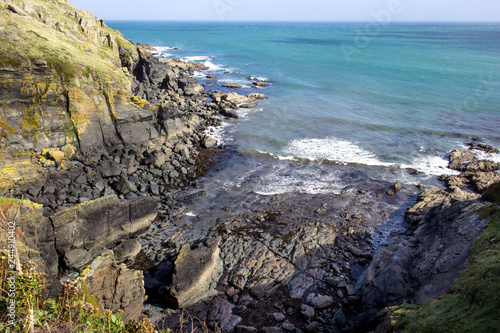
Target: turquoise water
x,y
399,97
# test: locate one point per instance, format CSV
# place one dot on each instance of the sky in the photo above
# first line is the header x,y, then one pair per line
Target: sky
x,y
294,10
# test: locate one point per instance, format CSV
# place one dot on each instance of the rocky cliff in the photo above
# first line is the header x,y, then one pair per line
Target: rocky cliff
x,y
92,130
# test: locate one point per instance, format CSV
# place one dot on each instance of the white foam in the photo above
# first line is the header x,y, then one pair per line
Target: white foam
x,y
482,155
332,149
196,58
431,165
299,180
190,214
161,51
220,133
258,78
212,67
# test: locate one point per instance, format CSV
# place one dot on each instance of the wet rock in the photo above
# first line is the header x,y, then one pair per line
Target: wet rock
x,y
260,84
230,113
209,142
482,166
249,105
459,157
197,271
483,180
232,85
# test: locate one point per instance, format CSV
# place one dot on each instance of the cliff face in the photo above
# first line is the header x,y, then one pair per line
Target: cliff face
x,y
80,96
63,82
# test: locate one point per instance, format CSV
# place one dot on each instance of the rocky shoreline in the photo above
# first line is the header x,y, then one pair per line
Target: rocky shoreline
x,y
107,178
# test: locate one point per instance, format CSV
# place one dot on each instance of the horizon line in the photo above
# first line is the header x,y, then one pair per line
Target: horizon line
x,y
290,21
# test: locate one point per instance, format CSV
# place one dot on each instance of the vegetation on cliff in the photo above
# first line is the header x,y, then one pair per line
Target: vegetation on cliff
x,y
474,305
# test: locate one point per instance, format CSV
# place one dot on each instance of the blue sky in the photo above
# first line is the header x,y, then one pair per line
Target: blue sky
x,y
294,10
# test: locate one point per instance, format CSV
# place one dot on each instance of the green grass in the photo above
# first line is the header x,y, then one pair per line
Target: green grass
x,y
474,305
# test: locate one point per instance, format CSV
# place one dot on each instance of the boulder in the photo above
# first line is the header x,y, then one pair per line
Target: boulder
x,y
222,312
482,166
54,154
249,105
233,85
127,251
125,186
115,286
102,223
260,84
230,113
209,142
459,157
110,168
319,301
196,271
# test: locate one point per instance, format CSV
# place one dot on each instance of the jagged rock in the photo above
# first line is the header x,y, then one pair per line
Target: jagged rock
x,y
110,168
15,9
35,239
115,286
483,180
482,166
307,311
55,155
182,150
77,258
196,271
459,157
125,186
69,151
222,312
417,273
272,329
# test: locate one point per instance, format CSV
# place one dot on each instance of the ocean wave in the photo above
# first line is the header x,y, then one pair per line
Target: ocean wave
x,y
258,78
212,67
332,149
431,165
302,180
196,58
220,133
162,50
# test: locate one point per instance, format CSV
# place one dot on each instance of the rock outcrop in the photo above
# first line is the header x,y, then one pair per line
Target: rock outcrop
x,y
196,272
86,229
443,225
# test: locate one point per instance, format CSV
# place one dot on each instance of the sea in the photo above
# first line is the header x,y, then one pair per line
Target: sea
x,y
348,103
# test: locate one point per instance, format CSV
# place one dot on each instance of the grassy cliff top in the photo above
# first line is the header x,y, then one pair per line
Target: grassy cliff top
x,y
68,39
